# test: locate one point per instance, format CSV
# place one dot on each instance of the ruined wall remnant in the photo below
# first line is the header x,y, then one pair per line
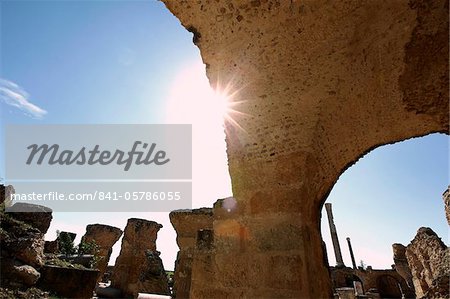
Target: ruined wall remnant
x,y
22,245
320,83
429,261
446,197
187,224
138,268
105,237
386,282
401,263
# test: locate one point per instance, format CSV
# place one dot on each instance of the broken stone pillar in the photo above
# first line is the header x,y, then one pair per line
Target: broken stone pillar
x,y
429,261
317,85
401,263
334,236
446,197
105,237
187,224
138,268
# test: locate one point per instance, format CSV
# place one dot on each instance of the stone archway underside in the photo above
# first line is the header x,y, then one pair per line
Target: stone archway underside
x,y
320,84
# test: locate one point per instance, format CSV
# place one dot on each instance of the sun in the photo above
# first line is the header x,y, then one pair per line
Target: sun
x,y
193,100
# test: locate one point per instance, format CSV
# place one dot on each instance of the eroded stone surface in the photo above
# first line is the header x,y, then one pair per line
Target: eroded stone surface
x,y
131,271
37,216
187,224
429,261
21,241
105,237
401,263
320,83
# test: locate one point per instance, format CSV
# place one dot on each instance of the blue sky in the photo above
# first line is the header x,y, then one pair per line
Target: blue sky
x,y
118,62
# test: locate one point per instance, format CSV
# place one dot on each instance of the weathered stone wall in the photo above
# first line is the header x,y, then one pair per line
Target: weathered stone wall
x,y
187,223
429,261
320,83
137,268
105,237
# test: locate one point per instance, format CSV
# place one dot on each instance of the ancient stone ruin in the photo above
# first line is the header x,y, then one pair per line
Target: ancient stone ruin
x,y
37,216
138,268
23,261
105,237
429,260
320,83
401,263
375,283
188,224
356,282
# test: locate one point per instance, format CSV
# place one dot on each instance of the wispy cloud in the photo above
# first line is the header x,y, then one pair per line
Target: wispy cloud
x,y
13,95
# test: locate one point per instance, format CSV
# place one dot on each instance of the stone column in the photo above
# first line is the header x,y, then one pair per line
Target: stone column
x,y
351,253
334,237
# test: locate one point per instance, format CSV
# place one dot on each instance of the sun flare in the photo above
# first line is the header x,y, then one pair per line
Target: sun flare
x,y
193,100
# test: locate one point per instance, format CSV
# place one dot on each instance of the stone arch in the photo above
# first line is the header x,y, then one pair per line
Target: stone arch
x,y
319,85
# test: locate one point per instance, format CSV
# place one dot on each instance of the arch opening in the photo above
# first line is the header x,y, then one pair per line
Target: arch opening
x,y
383,199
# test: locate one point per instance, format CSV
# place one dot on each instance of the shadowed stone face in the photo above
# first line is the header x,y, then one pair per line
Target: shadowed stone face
x,y
319,84
138,268
105,237
187,224
401,263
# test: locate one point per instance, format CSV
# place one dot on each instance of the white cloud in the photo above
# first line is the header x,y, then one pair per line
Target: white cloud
x,y
13,95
